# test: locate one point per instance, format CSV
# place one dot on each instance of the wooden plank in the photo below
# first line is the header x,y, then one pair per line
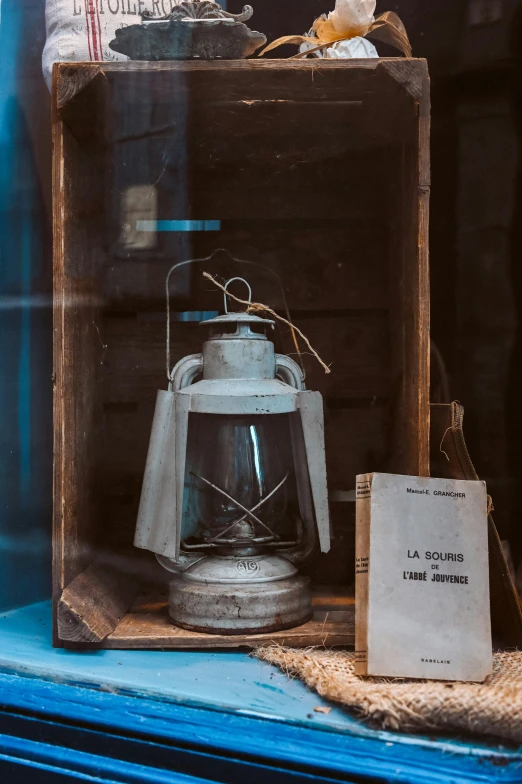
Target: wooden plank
x,y
253,88
92,605
358,290
58,581
278,117
69,80
355,344
422,300
79,100
134,367
148,626
156,631
357,441
409,296
252,80
410,74
333,265
280,179
337,566
77,358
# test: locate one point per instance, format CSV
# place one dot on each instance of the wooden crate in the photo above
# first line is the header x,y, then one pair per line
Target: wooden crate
x,y
319,171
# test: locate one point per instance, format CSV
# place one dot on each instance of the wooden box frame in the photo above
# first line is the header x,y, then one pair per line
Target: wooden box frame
x,y
375,114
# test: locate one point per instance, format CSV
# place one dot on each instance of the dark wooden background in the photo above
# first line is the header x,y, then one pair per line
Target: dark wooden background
x,y
474,51
475,229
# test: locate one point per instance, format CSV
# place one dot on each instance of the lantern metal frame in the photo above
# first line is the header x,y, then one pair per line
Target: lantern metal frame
x,y
237,374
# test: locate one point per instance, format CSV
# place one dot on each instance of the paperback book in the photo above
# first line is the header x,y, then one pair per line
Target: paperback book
x,y
422,579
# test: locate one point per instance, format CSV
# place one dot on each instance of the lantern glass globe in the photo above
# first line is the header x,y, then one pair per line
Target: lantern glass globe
x,y
235,463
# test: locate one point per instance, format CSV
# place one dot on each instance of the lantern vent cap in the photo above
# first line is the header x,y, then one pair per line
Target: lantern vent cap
x,y
237,318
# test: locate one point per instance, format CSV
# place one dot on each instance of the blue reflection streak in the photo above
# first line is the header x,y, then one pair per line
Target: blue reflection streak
x,y
24,362
25,318
178,225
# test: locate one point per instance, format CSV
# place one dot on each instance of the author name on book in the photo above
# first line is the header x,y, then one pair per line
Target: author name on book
x,y
438,493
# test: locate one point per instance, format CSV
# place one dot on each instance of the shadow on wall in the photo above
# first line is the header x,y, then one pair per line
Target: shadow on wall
x,y
25,309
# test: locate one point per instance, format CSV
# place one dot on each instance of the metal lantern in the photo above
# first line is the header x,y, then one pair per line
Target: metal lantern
x,y
234,495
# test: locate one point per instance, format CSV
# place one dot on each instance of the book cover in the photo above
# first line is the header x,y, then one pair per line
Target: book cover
x,y
422,582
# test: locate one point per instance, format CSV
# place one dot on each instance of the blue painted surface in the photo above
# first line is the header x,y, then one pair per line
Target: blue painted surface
x,y
78,728
138,716
226,705
25,326
231,680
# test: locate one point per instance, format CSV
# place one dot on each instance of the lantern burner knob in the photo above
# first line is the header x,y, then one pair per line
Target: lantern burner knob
x,y
244,530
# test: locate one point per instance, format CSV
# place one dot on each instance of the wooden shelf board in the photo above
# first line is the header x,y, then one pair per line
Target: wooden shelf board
x,y
147,625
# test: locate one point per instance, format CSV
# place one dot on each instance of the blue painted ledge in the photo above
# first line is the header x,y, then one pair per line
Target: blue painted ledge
x,y
137,716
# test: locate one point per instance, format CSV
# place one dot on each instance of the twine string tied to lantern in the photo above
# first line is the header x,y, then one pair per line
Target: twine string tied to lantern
x,y
235,260
258,307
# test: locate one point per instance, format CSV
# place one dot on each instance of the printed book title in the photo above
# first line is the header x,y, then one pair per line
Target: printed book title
x,y
436,575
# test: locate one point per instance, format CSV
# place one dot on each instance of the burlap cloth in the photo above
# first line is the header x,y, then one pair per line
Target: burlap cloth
x,y
492,708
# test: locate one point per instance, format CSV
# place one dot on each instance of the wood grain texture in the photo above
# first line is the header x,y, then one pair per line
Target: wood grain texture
x,y
355,344
331,265
90,607
253,88
58,413
408,74
409,289
139,631
76,347
423,299
75,311
69,80
318,171
356,439
147,625
285,179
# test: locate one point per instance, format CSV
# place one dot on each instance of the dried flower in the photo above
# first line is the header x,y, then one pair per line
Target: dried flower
x,y
352,17
349,19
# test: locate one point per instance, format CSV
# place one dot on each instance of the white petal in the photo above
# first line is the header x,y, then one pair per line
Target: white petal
x,y
355,48
352,14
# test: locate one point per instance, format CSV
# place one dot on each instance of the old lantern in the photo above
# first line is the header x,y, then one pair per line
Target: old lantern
x,y
234,495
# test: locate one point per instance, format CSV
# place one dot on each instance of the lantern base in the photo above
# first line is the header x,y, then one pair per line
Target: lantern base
x,y
254,606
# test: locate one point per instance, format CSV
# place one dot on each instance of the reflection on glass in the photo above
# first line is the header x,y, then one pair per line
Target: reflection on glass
x,y
236,466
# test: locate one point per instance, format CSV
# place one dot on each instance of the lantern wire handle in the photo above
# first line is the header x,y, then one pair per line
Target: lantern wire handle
x,y
227,284
238,261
